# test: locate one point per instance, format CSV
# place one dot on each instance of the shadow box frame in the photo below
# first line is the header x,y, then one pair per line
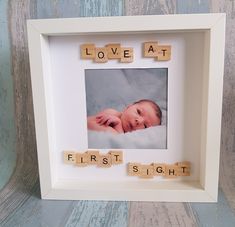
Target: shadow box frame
x,y
205,189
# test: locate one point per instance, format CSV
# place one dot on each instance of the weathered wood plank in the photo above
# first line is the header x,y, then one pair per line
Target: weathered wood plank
x,y
36,212
95,8
7,127
57,9
196,6
227,160
215,214
161,214
99,214
149,7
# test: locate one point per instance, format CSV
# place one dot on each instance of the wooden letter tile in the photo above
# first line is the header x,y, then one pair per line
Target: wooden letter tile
x,y
134,169
171,171
69,157
163,53
87,51
101,55
150,49
159,169
113,50
105,161
81,159
146,171
183,168
126,55
116,157
92,157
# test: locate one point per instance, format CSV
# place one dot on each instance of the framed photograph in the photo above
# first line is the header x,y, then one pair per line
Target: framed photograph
x,y
128,108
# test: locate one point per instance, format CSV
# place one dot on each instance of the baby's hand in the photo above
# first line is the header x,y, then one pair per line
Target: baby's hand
x,y
108,120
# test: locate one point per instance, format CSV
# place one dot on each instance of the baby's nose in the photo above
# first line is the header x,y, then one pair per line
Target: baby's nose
x,y
139,120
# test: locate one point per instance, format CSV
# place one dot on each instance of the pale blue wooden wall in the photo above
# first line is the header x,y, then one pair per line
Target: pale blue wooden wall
x,y
20,203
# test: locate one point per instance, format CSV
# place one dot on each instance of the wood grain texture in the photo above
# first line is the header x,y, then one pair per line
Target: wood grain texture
x,y
56,8
99,214
7,126
227,160
161,214
196,6
26,172
214,214
36,212
96,8
150,7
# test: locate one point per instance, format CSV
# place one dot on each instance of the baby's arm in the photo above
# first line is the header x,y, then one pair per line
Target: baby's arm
x,y
107,120
93,125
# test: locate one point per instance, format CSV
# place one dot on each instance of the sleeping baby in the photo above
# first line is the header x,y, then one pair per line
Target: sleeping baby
x,y
139,115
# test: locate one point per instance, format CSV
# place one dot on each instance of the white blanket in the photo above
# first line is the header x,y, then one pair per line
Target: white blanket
x,y
150,138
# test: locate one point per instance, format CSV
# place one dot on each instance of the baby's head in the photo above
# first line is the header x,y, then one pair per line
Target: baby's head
x,y
141,114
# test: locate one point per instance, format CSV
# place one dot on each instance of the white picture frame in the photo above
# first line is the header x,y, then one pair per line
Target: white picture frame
x,y
205,188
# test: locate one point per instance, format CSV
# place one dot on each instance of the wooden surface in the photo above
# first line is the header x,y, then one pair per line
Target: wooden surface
x,y
20,203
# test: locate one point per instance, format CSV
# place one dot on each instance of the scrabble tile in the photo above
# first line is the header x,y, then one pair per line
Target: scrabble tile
x,y
183,168
127,55
171,171
133,169
113,50
93,157
105,161
159,169
146,171
163,53
87,51
81,159
116,157
150,49
101,55
69,157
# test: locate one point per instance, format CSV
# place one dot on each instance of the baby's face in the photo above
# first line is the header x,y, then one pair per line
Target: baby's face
x,y
139,116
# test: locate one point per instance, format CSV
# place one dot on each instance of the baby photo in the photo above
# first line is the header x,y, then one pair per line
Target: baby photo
x,y
126,108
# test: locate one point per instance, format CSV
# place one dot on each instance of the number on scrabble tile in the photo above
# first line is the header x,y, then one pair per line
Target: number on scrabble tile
x,y
69,157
